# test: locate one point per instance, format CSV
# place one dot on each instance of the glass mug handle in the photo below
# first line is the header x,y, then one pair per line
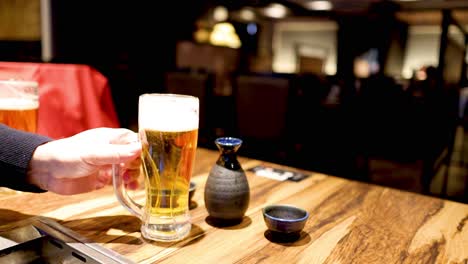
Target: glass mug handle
x,y
121,193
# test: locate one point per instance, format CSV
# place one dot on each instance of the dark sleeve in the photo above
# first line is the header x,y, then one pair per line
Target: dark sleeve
x,y
16,150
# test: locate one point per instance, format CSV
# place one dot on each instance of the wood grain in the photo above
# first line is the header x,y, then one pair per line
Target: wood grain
x,y
350,222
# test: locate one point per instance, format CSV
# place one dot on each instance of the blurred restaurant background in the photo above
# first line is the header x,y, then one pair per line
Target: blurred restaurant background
x,y
368,90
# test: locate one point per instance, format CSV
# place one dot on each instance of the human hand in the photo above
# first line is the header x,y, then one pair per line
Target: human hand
x,y
83,162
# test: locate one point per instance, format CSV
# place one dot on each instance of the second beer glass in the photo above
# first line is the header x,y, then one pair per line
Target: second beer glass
x,y
168,128
19,104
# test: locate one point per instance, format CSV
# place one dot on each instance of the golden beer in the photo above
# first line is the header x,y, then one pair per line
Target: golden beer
x,y
19,114
167,164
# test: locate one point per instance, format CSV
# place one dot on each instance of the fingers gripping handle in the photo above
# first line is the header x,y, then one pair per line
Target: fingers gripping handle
x,y
122,195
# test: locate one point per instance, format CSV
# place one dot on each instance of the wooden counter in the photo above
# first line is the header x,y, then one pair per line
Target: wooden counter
x,y
350,222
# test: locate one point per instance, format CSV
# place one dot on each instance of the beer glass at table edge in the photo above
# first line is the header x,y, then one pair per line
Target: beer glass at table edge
x,y
168,129
19,104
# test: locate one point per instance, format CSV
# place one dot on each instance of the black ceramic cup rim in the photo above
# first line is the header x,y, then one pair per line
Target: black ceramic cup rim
x,y
193,185
290,220
228,141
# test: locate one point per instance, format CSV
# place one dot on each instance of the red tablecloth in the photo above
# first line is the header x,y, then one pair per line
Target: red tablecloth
x,y
72,98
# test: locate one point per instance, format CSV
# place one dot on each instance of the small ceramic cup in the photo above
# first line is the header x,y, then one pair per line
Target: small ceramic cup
x,y
285,219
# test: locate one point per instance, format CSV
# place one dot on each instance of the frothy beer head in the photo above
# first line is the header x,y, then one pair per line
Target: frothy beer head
x,y
18,95
168,112
18,104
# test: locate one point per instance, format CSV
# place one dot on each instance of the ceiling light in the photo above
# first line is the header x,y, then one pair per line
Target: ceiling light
x,y
247,14
319,5
224,34
252,29
276,10
220,13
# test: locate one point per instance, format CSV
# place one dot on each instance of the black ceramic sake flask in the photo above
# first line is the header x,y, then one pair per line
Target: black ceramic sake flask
x,y
227,192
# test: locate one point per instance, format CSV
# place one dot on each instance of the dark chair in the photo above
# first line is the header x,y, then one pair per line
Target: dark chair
x,y
198,85
324,129
410,133
261,104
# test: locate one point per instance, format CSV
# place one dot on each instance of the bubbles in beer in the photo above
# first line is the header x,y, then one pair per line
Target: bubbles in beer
x,y
19,113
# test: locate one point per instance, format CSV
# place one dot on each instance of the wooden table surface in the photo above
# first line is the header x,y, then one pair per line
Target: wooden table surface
x,y
350,222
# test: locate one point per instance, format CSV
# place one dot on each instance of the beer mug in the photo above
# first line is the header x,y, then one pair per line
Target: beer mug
x,y
168,131
19,104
